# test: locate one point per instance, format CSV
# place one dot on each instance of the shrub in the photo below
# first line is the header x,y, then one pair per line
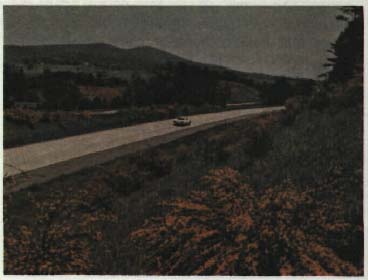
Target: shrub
x,y
23,116
85,115
125,184
202,235
256,139
308,150
183,152
155,162
319,101
226,229
349,97
294,106
64,232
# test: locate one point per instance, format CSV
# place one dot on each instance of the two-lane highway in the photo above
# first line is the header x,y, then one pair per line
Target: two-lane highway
x,y
46,160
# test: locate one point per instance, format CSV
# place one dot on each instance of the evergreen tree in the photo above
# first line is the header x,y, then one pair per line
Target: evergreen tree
x,y
347,51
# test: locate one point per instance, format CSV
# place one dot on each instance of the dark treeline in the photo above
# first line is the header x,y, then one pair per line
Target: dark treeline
x,y
281,90
54,90
177,83
180,83
170,84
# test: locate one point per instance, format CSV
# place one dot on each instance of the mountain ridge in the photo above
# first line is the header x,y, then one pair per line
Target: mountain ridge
x,y
140,58
137,58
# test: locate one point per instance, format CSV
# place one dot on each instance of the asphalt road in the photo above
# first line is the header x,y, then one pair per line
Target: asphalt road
x,y
46,160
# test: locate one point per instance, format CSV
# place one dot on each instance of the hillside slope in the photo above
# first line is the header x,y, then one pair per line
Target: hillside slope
x,y
99,54
143,58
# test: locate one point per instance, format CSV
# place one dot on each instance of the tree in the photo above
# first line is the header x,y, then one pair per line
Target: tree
x,y
304,87
60,95
347,51
85,104
116,102
138,88
15,85
277,93
185,83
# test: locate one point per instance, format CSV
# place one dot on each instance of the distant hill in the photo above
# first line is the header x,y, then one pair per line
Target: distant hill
x,y
103,55
108,56
112,61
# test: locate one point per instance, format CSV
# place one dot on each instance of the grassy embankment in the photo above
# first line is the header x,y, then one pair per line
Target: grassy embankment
x,y
284,197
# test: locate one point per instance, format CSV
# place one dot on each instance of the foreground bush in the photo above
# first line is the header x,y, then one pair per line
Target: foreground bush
x,y
230,228
64,232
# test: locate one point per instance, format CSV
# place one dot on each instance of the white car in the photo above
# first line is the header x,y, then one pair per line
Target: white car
x,y
182,121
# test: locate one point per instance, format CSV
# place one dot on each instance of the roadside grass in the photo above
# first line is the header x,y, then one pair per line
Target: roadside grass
x,y
302,174
130,185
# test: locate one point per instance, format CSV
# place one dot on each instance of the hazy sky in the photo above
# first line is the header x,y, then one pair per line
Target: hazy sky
x,y
288,41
